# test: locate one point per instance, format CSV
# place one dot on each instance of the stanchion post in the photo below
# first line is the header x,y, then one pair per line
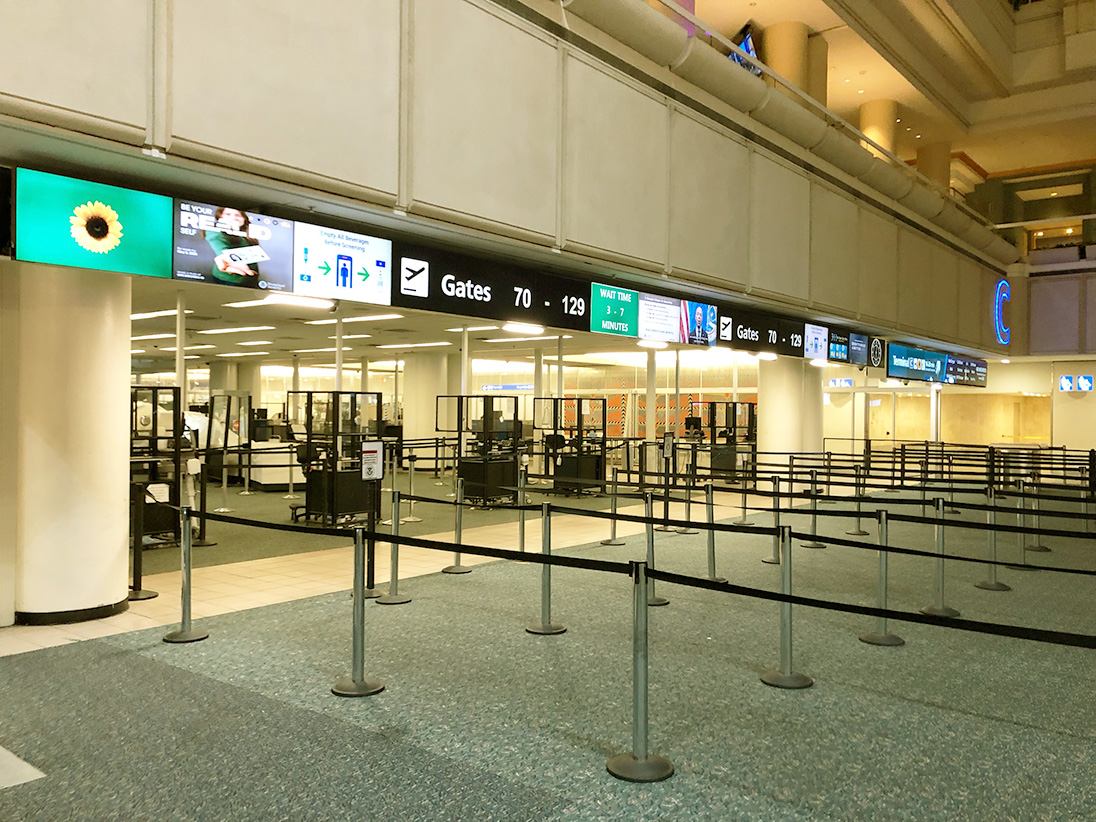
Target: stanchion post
x,y
938,607
456,567
186,632
393,596
857,531
224,509
665,524
881,635
1036,544
357,684
829,477
649,505
521,507
639,765
742,519
1021,523
371,591
786,677
951,486
245,451
410,491
613,540
813,541
289,492
136,592
992,584
690,482
545,627
203,488
775,558
709,503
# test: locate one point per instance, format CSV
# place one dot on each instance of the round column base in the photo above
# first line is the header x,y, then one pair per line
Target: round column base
x,y
456,569
945,611
398,599
193,635
652,769
544,630
410,519
986,585
792,681
882,639
345,686
141,595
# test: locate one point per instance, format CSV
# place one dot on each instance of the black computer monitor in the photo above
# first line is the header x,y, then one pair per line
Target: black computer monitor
x,y
693,424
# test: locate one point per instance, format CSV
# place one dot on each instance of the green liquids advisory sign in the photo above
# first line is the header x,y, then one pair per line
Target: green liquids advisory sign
x,y
614,310
64,221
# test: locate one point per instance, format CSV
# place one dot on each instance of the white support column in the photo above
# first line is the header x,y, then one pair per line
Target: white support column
x,y
934,411
339,354
465,362
64,443
677,395
652,398
789,407
425,376
363,383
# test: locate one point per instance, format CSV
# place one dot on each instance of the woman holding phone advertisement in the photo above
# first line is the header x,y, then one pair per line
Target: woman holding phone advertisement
x,y
232,232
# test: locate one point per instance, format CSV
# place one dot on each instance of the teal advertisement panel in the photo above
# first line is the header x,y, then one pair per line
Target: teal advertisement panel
x,y
65,221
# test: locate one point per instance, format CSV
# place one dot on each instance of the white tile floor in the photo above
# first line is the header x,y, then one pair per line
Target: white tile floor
x,y
224,588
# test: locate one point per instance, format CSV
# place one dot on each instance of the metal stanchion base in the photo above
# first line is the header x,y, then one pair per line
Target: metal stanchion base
x,y
686,531
652,769
1021,568
410,518
771,561
859,532
544,630
193,635
779,679
717,579
456,569
371,593
202,543
245,493
613,542
932,610
741,522
992,586
292,496
223,510
387,521
882,639
663,528
656,600
398,599
811,544
952,511
141,595
1039,549
345,686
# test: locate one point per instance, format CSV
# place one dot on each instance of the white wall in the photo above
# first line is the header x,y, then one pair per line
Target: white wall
x,y
1073,413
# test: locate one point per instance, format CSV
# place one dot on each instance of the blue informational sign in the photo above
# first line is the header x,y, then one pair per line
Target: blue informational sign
x,y
841,382
1004,292
907,363
1084,382
1065,383
514,386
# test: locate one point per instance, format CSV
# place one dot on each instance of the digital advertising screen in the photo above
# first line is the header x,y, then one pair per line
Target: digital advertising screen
x,y
907,363
659,318
231,246
65,221
698,322
959,370
839,346
858,349
614,310
341,265
816,340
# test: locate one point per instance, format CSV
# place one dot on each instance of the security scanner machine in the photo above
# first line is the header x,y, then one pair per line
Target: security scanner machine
x,y
328,429
489,437
730,429
574,441
158,444
227,435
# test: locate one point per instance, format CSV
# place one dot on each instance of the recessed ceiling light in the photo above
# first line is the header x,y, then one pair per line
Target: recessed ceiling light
x,y
819,362
148,315
908,128
245,354
353,336
153,337
474,328
1054,194
527,339
415,345
1038,233
191,357
899,120
861,91
1006,361
189,348
318,350
238,330
136,351
372,318
848,79
523,328
652,344
256,342
918,136
766,355
1069,231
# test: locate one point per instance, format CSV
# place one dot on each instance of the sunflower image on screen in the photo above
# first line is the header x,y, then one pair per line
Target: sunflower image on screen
x,y
95,227
236,253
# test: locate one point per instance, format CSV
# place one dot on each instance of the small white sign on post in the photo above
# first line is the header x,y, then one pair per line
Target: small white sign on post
x,y
372,460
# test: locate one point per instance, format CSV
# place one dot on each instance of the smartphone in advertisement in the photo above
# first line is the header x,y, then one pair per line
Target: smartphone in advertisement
x,y
344,266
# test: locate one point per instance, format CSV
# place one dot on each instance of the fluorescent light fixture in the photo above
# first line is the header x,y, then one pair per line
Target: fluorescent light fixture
x,y
279,298
416,345
189,348
652,344
766,355
245,354
238,330
354,337
369,319
318,350
153,337
474,328
527,339
148,315
256,342
136,351
523,328
191,357
819,362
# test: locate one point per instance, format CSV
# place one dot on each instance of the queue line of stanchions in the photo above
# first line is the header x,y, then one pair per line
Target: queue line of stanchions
x,y
639,764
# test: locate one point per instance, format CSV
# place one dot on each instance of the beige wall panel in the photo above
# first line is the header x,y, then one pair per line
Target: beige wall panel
x,y
1090,315
616,151
86,57
835,282
485,119
709,217
1074,412
972,304
943,302
779,229
313,86
1055,314
915,281
877,247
